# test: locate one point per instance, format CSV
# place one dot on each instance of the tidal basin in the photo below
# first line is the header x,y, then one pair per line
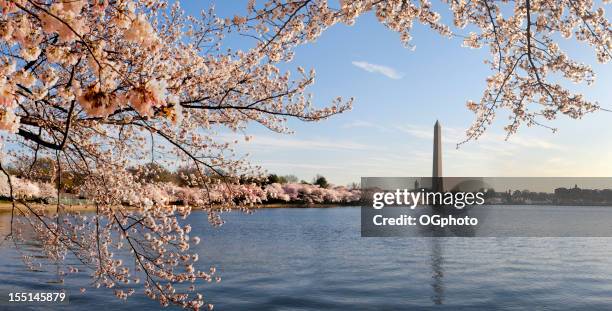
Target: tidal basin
x,y
315,259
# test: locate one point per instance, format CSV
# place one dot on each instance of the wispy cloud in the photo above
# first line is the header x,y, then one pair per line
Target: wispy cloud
x,y
285,143
314,166
383,70
360,124
415,131
487,141
533,142
307,143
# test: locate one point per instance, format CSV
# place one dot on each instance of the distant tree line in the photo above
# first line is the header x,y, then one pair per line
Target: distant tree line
x,y
561,196
45,170
319,180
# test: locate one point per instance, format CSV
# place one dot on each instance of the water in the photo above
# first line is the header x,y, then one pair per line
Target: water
x,y
315,259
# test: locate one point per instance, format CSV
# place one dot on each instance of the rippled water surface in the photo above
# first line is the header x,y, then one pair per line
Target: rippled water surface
x,y
315,259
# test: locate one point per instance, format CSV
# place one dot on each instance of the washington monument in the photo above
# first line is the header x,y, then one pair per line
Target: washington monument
x,y
437,158
437,150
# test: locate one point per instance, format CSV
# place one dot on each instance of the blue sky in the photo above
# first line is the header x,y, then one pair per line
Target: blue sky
x,y
399,94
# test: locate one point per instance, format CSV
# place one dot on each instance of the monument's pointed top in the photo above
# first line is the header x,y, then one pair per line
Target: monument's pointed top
x,y
437,150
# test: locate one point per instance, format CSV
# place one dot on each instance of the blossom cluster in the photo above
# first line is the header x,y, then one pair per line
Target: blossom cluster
x,y
166,194
307,193
27,189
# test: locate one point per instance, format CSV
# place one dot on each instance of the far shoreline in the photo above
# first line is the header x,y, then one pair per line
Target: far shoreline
x,y
6,207
307,205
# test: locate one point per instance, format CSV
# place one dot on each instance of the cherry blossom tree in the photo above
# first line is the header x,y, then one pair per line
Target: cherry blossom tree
x,y
101,85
